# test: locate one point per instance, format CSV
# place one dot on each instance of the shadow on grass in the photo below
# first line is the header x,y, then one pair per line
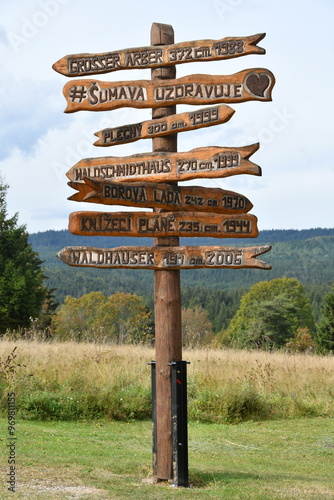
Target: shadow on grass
x,y
199,479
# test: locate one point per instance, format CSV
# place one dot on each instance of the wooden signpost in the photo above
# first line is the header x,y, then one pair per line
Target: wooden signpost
x,y
149,180
152,224
190,257
182,122
92,95
211,162
155,57
163,196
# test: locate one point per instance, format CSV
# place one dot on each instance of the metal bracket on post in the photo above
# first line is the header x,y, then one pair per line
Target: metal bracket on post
x,y
154,418
180,423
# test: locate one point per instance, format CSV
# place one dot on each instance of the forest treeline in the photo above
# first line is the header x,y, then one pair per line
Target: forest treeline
x,y
302,254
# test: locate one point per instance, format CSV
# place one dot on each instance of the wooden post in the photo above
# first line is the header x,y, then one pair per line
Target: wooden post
x,y
167,296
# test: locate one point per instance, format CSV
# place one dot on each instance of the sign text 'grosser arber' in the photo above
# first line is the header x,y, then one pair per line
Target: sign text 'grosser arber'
x,y
152,57
92,95
160,195
150,224
181,122
210,162
190,257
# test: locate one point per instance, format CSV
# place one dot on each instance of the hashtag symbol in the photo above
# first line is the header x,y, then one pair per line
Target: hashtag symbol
x,y
77,93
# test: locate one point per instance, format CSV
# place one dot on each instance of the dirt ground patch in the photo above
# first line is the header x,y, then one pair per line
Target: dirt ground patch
x,y
57,488
34,483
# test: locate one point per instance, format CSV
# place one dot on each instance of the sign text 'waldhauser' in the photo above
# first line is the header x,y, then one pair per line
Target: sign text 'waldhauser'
x,y
190,257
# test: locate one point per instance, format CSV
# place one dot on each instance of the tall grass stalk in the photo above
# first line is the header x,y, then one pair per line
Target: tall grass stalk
x,y
68,380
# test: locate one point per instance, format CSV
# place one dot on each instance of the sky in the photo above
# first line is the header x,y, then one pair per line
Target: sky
x,y
40,143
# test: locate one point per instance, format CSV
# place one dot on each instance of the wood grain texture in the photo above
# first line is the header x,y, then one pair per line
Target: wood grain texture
x,y
181,122
162,196
158,55
155,258
164,166
150,224
253,84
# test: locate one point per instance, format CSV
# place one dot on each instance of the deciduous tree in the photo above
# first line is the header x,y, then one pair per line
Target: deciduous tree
x,y
301,342
120,318
270,313
197,329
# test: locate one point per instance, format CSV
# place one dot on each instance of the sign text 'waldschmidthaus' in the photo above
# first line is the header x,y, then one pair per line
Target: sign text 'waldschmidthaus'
x,y
92,95
152,57
190,257
210,162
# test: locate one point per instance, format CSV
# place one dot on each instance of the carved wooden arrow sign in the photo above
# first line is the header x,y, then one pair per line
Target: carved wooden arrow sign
x,y
91,95
210,162
151,224
182,122
163,196
191,257
152,57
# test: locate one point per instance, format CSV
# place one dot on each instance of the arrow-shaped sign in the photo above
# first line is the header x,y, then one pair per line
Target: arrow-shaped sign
x,y
91,95
191,257
163,196
150,224
152,57
182,122
210,162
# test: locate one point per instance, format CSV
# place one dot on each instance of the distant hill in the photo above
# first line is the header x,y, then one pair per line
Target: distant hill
x,y
304,254
57,239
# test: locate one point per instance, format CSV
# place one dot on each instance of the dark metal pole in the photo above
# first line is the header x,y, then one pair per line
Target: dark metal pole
x,y
154,418
180,423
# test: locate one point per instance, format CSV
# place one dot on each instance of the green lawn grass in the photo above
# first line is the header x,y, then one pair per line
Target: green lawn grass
x,y
285,459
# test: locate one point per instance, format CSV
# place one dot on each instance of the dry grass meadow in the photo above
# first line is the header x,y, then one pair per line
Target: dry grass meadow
x,y
69,380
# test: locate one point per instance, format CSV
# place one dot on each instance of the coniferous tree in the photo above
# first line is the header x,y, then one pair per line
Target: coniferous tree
x,y
325,330
22,289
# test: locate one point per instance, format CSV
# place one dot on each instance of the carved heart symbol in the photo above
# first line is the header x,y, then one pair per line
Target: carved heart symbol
x,y
257,83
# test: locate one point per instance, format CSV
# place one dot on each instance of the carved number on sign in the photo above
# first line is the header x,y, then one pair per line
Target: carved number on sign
x,y
209,115
194,200
189,226
173,259
233,202
238,226
231,47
